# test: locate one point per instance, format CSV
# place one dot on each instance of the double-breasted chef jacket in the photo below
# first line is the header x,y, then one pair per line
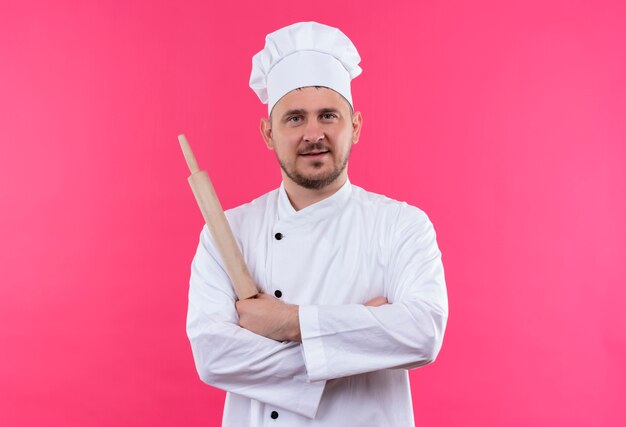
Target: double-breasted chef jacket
x,y
329,258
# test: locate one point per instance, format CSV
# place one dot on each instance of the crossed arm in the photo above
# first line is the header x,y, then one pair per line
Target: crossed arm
x,y
271,318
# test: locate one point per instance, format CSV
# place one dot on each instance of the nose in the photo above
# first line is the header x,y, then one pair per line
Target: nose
x,y
313,132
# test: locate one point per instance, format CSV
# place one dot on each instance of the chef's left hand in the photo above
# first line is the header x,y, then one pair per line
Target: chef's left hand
x,y
267,316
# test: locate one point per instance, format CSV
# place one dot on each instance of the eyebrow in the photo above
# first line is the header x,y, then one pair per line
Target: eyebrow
x,y
301,111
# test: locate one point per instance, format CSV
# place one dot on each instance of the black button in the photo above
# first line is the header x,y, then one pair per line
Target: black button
x,y
278,236
274,415
278,293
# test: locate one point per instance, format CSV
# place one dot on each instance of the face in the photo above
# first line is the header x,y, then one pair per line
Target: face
x,y
312,131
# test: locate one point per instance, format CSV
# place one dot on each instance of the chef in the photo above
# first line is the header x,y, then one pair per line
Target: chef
x,y
352,289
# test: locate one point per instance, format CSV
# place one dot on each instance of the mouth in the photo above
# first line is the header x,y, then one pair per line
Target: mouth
x,y
314,153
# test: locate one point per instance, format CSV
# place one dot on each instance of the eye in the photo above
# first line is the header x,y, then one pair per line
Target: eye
x,y
329,116
294,119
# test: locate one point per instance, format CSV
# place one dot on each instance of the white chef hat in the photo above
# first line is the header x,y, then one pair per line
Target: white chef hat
x,y
300,55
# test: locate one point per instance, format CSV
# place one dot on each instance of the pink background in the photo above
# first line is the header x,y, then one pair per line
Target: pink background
x,y
504,121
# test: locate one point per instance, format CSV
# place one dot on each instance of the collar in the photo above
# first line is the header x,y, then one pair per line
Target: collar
x,y
316,211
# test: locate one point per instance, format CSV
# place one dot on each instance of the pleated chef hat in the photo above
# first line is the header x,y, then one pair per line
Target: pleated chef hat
x,y
300,55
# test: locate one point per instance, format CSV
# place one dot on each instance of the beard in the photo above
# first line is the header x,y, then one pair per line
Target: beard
x,y
316,182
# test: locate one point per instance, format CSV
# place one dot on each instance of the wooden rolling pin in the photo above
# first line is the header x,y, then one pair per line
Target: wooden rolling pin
x,y
218,226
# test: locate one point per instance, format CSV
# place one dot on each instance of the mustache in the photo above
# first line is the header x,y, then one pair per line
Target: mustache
x,y
316,146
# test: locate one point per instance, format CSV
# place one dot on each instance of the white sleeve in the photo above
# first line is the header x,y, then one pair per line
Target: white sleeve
x,y
234,359
345,340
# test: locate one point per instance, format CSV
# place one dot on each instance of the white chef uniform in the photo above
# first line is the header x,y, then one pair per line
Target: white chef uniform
x,y
329,258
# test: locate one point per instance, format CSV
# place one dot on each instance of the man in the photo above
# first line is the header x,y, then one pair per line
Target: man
x,y
352,285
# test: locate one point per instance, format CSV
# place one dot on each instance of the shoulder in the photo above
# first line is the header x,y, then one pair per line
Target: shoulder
x,y
253,211
398,212
246,218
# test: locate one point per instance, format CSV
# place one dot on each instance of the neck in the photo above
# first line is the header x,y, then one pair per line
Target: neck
x,y
301,197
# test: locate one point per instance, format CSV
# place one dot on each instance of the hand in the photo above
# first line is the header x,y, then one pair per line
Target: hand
x,y
269,317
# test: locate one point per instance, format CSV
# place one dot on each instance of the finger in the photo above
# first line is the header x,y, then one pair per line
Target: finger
x,y
376,302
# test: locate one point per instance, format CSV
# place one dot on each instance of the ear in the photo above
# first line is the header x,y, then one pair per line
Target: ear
x,y
357,123
266,132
